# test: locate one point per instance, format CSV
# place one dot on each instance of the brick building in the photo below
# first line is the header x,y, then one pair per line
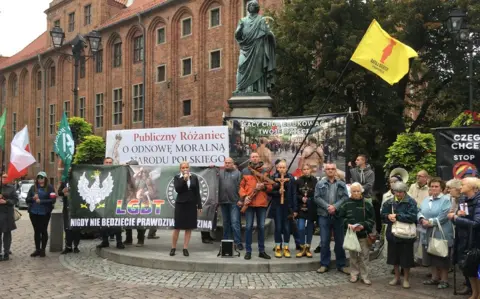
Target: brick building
x,y
163,63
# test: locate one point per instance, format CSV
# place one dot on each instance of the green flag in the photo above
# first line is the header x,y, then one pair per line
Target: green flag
x,y
64,145
2,129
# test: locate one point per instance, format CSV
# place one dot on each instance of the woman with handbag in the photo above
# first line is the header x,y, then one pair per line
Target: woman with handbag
x,y
436,236
467,238
400,215
358,215
8,199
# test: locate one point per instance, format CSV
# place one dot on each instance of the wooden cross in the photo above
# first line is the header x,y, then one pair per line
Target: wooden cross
x,y
282,181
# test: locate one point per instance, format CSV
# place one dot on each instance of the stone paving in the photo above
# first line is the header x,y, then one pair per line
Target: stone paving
x,y
85,275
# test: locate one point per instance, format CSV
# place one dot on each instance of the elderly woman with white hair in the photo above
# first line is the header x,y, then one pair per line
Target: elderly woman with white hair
x,y
454,187
401,208
358,214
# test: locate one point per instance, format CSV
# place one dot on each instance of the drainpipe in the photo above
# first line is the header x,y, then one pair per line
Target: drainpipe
x,y
144,64
44,109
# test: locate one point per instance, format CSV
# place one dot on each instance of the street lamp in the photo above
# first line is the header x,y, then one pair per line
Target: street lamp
x,y
457,25
78,45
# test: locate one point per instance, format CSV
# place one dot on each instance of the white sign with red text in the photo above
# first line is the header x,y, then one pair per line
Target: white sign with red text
x,y
200,146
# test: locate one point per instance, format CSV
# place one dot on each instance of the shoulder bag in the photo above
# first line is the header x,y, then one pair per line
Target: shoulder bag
x,y
438,247
16,214
404,230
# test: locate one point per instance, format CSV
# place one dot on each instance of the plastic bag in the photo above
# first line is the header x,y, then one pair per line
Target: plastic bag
x,y
351,241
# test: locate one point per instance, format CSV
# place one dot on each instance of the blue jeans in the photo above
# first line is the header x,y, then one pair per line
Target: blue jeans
x,y
296,234
305,233
282,226
249,214
231,222
326,224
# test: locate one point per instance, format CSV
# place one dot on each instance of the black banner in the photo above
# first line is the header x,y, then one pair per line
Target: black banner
x,y
458,152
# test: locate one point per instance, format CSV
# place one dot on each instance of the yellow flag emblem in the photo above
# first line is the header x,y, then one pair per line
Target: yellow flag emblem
x,y
383,55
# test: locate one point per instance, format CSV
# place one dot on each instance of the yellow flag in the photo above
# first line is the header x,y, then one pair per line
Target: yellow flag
x,y
383,55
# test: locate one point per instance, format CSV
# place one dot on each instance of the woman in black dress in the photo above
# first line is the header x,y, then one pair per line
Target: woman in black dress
x,y
187,205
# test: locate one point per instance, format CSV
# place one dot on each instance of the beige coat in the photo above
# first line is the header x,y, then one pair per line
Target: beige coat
x,y
417,193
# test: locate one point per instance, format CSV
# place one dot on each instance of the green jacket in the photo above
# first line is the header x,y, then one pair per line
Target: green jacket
x,y
358,212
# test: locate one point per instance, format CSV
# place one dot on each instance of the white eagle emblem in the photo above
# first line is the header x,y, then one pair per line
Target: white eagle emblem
x,y
94,194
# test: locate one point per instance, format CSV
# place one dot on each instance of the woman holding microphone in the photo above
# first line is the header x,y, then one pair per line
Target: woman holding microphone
x,y
187,205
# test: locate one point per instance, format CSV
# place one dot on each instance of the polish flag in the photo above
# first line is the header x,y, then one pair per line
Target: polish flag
x,y
20,156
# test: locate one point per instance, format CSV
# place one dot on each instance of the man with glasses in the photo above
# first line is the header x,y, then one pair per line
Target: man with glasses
x,y
330,194
419,190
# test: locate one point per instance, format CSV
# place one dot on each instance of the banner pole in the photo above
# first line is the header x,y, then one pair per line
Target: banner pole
x,y
319,113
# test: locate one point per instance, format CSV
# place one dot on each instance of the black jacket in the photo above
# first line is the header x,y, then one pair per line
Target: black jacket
x,y
7,220
465,225
310,182
188,194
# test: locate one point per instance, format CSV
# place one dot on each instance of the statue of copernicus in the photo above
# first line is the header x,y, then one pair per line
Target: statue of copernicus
x,y
256,63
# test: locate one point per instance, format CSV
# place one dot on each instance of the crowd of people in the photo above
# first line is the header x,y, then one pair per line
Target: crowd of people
x,y
432,222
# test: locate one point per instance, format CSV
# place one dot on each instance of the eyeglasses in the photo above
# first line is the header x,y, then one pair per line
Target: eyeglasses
x,y
330,169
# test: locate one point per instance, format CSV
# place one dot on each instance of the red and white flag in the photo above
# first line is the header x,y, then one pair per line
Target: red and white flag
x,y
20,156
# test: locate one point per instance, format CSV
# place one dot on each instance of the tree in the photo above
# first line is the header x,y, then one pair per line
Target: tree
x,y
90,151
80,128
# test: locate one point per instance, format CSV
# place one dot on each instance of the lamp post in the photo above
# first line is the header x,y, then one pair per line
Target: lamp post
x,y
78,44
457,26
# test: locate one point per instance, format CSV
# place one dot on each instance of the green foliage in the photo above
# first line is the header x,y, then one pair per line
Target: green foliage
x,y
414,152
90,151
465,120
80,128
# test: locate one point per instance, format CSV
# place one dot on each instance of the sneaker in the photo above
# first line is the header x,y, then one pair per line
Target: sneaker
x,y
278,252
367,282
76,250
240,246
66,250
248,256
322,269
394,282
406,284
120,246
318,249
344,270
264,255
286,252
103,245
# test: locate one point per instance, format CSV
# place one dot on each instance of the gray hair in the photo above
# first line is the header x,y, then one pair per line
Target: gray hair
x,y
473,182
356,184
400,187
454,183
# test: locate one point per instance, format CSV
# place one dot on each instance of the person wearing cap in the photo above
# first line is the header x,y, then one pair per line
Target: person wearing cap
x,y
40,200
8,199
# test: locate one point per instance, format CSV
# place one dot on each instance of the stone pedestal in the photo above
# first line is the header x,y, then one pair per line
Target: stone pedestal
x,y
56,230
251,105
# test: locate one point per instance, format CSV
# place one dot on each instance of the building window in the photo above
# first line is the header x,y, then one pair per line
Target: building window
x,y
186,66
137,103
14,86
187,107
138,49
52,157
81,107
161,36
99,61
215,59
14,123
52,119
186,27
82,67
56,23
39,157
71,22
117,54
38,122
87,11
52,76
215,17
117,106
99,110
39,80
162,73
66,108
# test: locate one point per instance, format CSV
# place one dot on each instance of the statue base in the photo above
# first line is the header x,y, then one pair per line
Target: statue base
x,y
250,105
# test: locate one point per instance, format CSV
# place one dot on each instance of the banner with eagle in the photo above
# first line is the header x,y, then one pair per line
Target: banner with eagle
x,y
134,196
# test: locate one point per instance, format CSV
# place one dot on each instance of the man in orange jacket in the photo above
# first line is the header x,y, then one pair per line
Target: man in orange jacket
x,y
257,204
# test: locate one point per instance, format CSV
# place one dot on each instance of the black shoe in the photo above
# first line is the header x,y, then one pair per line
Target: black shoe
x,y
172,252
5,258
465,291
120,246
240,246
42,253
248,256
263,255
76,250
35,253
103,245
207,241
128,242
153,237
318,249
66,250
185,252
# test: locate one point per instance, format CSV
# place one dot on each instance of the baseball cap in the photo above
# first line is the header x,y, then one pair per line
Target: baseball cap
x,y
43,174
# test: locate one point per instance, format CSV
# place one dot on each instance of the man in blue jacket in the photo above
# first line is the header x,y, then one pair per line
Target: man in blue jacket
x,y
330,194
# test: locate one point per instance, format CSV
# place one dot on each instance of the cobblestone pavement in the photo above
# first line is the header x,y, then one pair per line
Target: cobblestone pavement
x,y
85,275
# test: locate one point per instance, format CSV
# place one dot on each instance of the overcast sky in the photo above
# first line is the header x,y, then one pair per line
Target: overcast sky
x,y
21,21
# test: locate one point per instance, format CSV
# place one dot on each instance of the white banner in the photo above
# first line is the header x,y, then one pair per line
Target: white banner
x,y
200,146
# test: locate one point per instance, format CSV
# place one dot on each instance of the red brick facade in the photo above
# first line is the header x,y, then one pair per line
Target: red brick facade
x,y
27,77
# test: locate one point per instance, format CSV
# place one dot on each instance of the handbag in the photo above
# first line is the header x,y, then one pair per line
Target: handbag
x,y
16,214
403,230
351,241
371,238
438,247
471,258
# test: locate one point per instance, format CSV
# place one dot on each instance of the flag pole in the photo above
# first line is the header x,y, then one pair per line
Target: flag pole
x,y
322,107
